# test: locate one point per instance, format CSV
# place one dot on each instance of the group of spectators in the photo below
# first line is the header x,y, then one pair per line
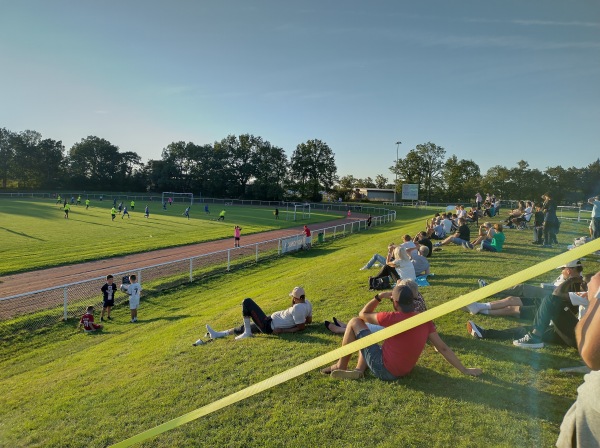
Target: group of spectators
x,y
558,313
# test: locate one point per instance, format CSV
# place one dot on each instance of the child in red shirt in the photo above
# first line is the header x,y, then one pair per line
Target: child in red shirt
x,y
87,321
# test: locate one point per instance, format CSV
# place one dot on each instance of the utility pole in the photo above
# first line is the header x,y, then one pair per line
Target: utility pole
x,y
396,184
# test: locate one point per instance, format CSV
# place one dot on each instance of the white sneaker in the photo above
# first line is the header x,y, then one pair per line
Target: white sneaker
x,y
198,342
364,268
475,307
244,336
529,341
378,264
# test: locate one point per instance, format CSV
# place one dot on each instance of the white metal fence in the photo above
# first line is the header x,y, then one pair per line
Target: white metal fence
x,y
44,307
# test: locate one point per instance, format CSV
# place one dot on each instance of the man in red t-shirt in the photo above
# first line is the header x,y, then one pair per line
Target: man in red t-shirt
x,y
87,320
398,354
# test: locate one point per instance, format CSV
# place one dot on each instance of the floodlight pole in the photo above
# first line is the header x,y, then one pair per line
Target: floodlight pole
x,y
396,170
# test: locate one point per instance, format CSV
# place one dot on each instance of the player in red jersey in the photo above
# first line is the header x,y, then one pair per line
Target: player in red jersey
x,y
87,321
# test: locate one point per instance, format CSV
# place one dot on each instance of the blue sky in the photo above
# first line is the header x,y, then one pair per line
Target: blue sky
x,y
490,81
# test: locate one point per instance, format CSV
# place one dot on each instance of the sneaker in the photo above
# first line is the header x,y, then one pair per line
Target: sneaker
x,y
101,319
347,374
198,342
377,265
364,268
437,248
132,321
475,330
244,336
475,307
529,341
438,244
482,283
470,246
109,318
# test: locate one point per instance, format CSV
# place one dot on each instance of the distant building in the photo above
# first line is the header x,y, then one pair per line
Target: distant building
x,y
377,194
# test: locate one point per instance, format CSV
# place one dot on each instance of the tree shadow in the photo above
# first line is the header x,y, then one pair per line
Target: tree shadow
x,y
21,234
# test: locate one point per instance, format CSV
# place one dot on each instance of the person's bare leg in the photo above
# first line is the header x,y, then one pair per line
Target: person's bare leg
x,y
506,302
513,311
361,364
335,329
354,326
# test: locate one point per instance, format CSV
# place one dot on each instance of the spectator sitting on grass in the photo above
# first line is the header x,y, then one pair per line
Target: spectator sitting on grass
x,y
399,354
523,300
339,327
461,237
376,258
561,308
486,232
398,266
497,240
419,260
421,239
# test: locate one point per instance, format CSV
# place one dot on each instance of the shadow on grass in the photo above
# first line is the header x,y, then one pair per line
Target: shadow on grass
x,y
490,392
167,318
21,234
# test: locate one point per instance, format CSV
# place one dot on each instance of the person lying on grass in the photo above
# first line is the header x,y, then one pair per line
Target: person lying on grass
x,y
293,319
399,354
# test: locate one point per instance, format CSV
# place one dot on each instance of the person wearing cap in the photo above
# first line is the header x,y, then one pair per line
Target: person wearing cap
x,y
581,424
523,300
399,354
595,222
563,308
295,318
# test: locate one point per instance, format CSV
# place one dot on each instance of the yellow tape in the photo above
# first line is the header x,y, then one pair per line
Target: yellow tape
x,y
379,336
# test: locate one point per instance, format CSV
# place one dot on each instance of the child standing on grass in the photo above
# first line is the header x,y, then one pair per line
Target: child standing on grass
x,y
125,212
87,320
108,297
133,289
113,212
237,233
87,204
67,208
186,213
146,212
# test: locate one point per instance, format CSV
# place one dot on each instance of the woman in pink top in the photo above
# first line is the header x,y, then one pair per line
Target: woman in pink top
x,y
236,236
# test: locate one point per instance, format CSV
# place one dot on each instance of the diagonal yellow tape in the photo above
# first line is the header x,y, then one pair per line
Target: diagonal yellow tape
x,y
379,336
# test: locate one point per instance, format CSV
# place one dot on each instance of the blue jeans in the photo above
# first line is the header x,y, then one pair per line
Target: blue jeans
x,y
374,259
486,245
373,355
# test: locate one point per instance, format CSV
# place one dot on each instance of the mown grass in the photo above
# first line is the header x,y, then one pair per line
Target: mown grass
x,y
35,235
63,388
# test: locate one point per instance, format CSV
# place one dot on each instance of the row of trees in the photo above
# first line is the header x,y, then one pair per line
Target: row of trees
x,y
248,166
451,179
245,166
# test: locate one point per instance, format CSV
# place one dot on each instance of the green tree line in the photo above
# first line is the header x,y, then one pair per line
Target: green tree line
x,y
244,166
451,179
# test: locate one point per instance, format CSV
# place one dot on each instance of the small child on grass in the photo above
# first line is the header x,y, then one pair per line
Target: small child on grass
x,y
108,297
87,320
133,289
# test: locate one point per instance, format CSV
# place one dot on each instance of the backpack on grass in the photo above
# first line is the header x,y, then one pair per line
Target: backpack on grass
x,y
379,283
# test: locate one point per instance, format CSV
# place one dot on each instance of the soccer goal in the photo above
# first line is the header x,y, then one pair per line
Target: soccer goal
x,y
170,196
301,211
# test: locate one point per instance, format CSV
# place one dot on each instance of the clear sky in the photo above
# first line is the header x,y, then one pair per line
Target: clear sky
x,y
491,81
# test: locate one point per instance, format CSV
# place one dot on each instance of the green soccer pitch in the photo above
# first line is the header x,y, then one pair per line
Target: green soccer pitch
x,y
34,233
66,389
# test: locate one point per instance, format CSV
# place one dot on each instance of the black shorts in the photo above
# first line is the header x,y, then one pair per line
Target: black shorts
x,y
106,303
237,238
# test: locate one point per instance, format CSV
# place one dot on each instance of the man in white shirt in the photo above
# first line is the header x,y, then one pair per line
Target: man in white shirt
x,y
290,320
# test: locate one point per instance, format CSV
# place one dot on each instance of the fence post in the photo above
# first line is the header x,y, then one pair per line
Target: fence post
x,y
66,302
228,259
191,268
139,276
257,252
279,246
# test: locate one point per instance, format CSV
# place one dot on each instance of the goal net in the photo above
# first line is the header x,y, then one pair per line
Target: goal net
x,y
169,197
301,211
